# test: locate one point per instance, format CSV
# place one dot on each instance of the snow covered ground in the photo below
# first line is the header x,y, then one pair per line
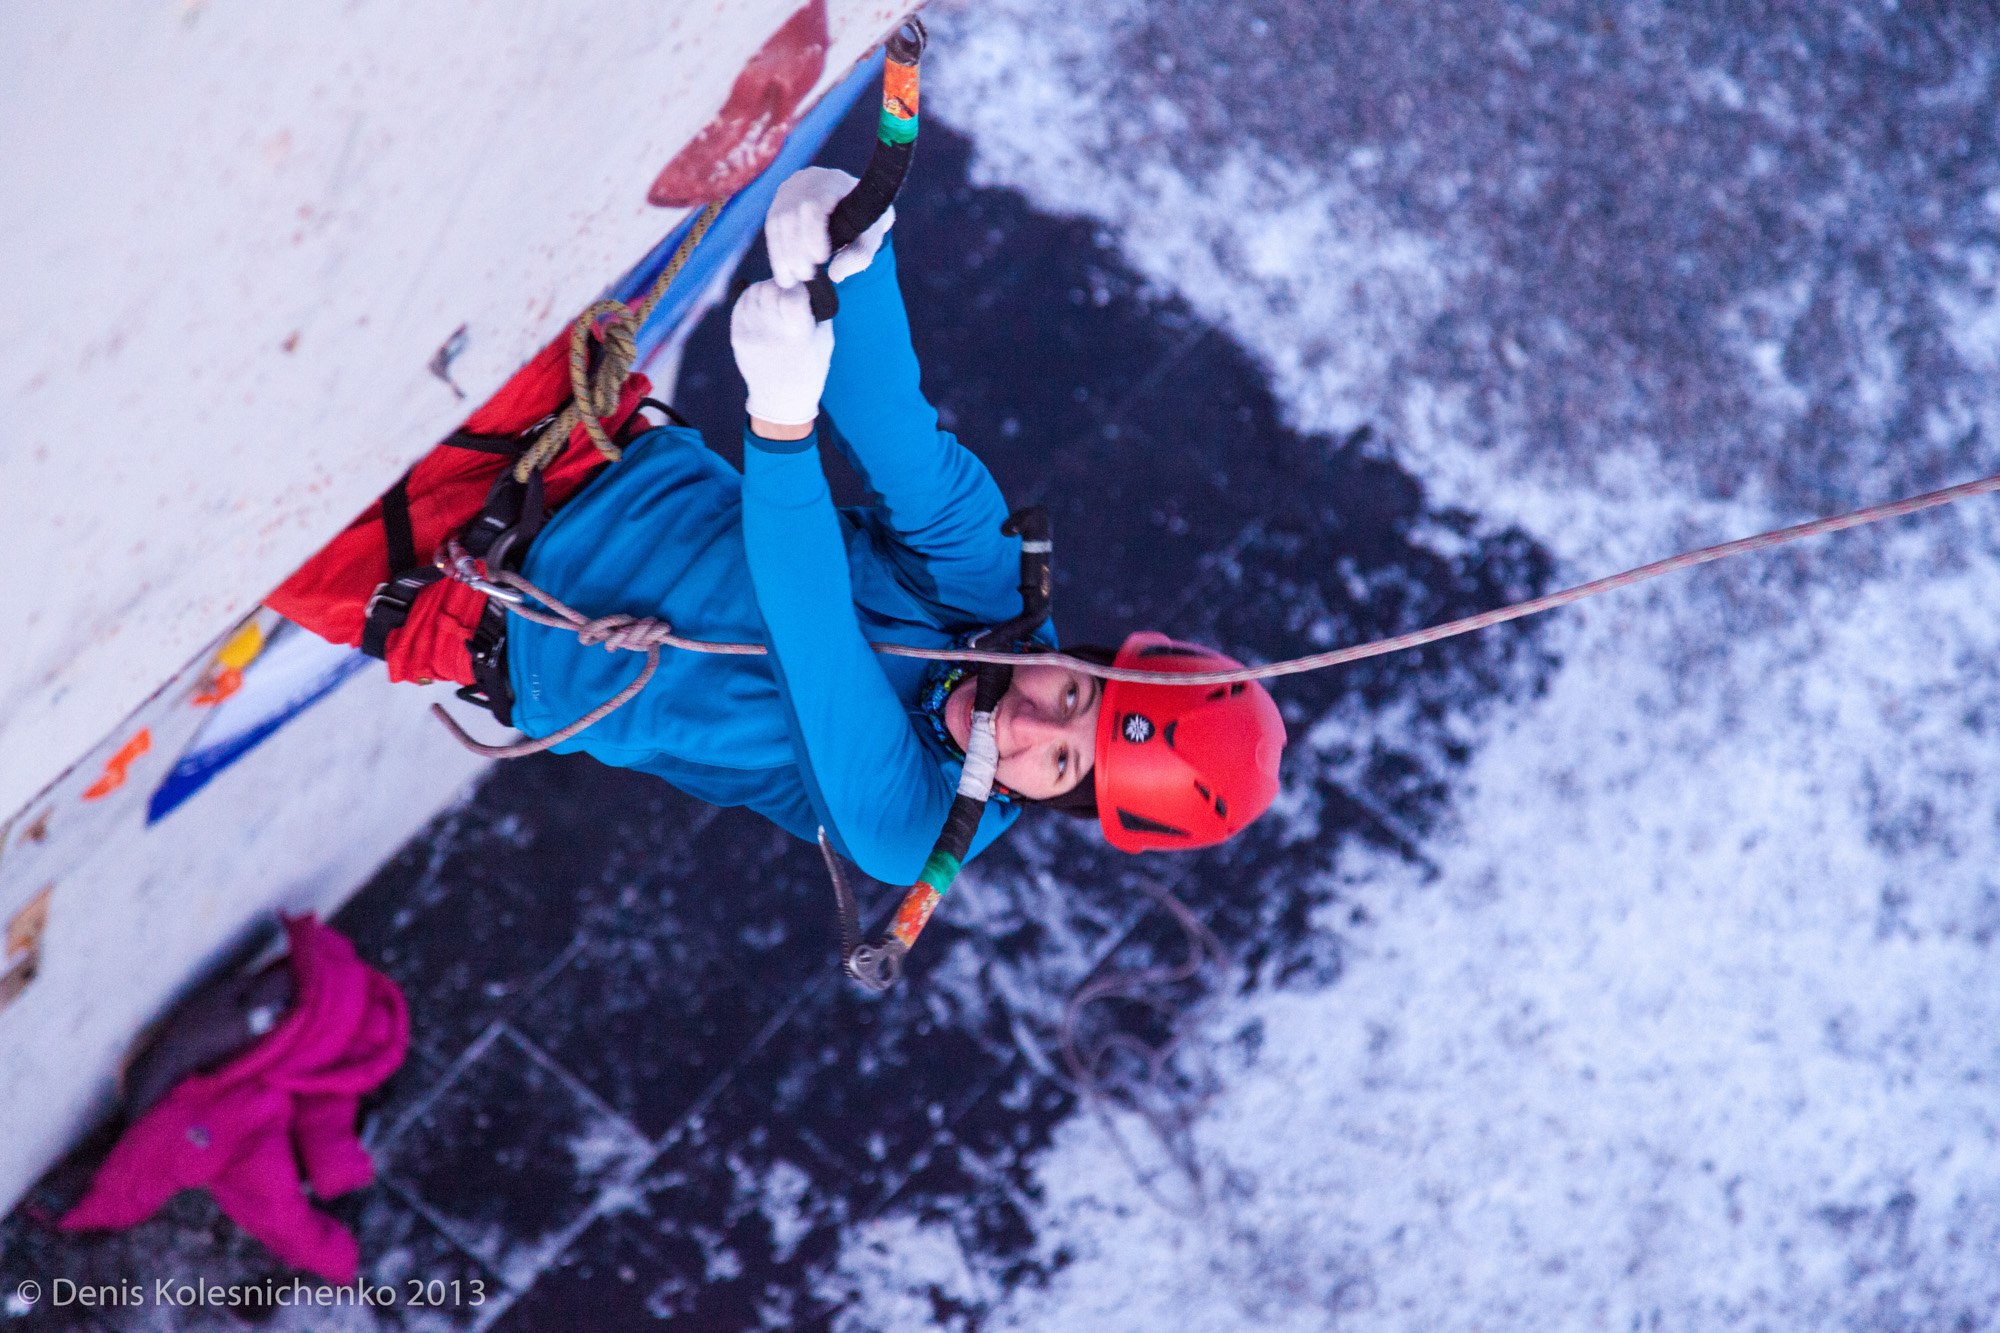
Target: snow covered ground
x,y
1686,1015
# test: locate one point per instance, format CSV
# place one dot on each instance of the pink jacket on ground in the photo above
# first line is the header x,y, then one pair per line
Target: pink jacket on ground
x,y
244,1131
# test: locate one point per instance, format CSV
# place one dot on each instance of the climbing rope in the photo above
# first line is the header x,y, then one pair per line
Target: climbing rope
x,y
1485,619
1146,1080
649,635
594,394
614,632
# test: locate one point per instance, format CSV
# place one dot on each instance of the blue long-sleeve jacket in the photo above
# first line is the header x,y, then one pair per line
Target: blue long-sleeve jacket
x,y
823,730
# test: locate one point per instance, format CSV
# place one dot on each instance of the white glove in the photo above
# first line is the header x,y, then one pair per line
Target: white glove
x,y
782,352
795,228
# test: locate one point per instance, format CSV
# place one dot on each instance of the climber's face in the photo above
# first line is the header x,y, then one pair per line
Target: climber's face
x,y
1046,724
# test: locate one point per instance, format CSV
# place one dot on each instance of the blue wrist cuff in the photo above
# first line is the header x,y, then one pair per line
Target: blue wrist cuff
x,y
752,440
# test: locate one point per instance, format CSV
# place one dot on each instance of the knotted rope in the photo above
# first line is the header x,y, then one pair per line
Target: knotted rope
x,y
614,633
594,393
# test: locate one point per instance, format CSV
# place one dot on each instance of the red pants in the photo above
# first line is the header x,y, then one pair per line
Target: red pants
x,y
447,488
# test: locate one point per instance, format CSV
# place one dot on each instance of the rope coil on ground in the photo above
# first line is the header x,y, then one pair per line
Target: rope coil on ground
x,y
1144,1083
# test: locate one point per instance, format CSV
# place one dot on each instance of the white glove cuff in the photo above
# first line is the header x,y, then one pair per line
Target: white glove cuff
x,y
783,409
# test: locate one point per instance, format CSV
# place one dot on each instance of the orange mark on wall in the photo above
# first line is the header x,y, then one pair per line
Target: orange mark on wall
x,y
226,676
115,767
226,682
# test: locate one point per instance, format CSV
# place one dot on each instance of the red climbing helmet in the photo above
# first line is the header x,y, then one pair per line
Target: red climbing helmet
x,y
1183,766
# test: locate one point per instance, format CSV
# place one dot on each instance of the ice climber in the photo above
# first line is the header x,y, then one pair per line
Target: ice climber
x,y
822,731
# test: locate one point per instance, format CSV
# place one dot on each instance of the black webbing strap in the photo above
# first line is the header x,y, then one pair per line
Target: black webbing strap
x,y
396,531
511,517
666,410
509,446
487,647
390,606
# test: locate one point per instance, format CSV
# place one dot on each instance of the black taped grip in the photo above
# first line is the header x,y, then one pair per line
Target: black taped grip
x,y
825,300
872,194
861,209
960,826
1033,527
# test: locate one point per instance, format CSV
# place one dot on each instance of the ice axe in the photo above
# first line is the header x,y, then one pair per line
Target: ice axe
x,y
895,143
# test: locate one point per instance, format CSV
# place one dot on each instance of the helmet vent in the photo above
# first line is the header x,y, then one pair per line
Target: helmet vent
x,y
1168,734
1219,692
1236,689
1140,824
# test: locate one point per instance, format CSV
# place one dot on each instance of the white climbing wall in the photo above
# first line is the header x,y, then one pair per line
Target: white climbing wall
x,y
238,234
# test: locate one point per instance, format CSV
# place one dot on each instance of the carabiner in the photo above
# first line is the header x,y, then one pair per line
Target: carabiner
x,y
457,563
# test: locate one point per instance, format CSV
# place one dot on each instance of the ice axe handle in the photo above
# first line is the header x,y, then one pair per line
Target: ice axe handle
x,y
895,142
825,300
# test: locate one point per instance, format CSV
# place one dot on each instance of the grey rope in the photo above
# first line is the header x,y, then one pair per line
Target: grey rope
x,y
635,634
1105,1090
1500,615
638,634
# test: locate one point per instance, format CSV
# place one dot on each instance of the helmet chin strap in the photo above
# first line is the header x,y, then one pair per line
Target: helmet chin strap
x,y
878,964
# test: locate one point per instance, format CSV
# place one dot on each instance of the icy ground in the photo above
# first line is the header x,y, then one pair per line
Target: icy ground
x,y
1629,970
1685,1016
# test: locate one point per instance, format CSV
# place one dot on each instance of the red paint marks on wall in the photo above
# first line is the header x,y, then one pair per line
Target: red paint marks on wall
x,y
751,127
227,682
115,767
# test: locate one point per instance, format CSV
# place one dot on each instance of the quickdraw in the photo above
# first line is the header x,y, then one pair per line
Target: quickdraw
x,y
878,964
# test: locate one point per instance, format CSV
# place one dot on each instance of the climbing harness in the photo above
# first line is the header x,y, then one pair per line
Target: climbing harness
x,y
517,504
